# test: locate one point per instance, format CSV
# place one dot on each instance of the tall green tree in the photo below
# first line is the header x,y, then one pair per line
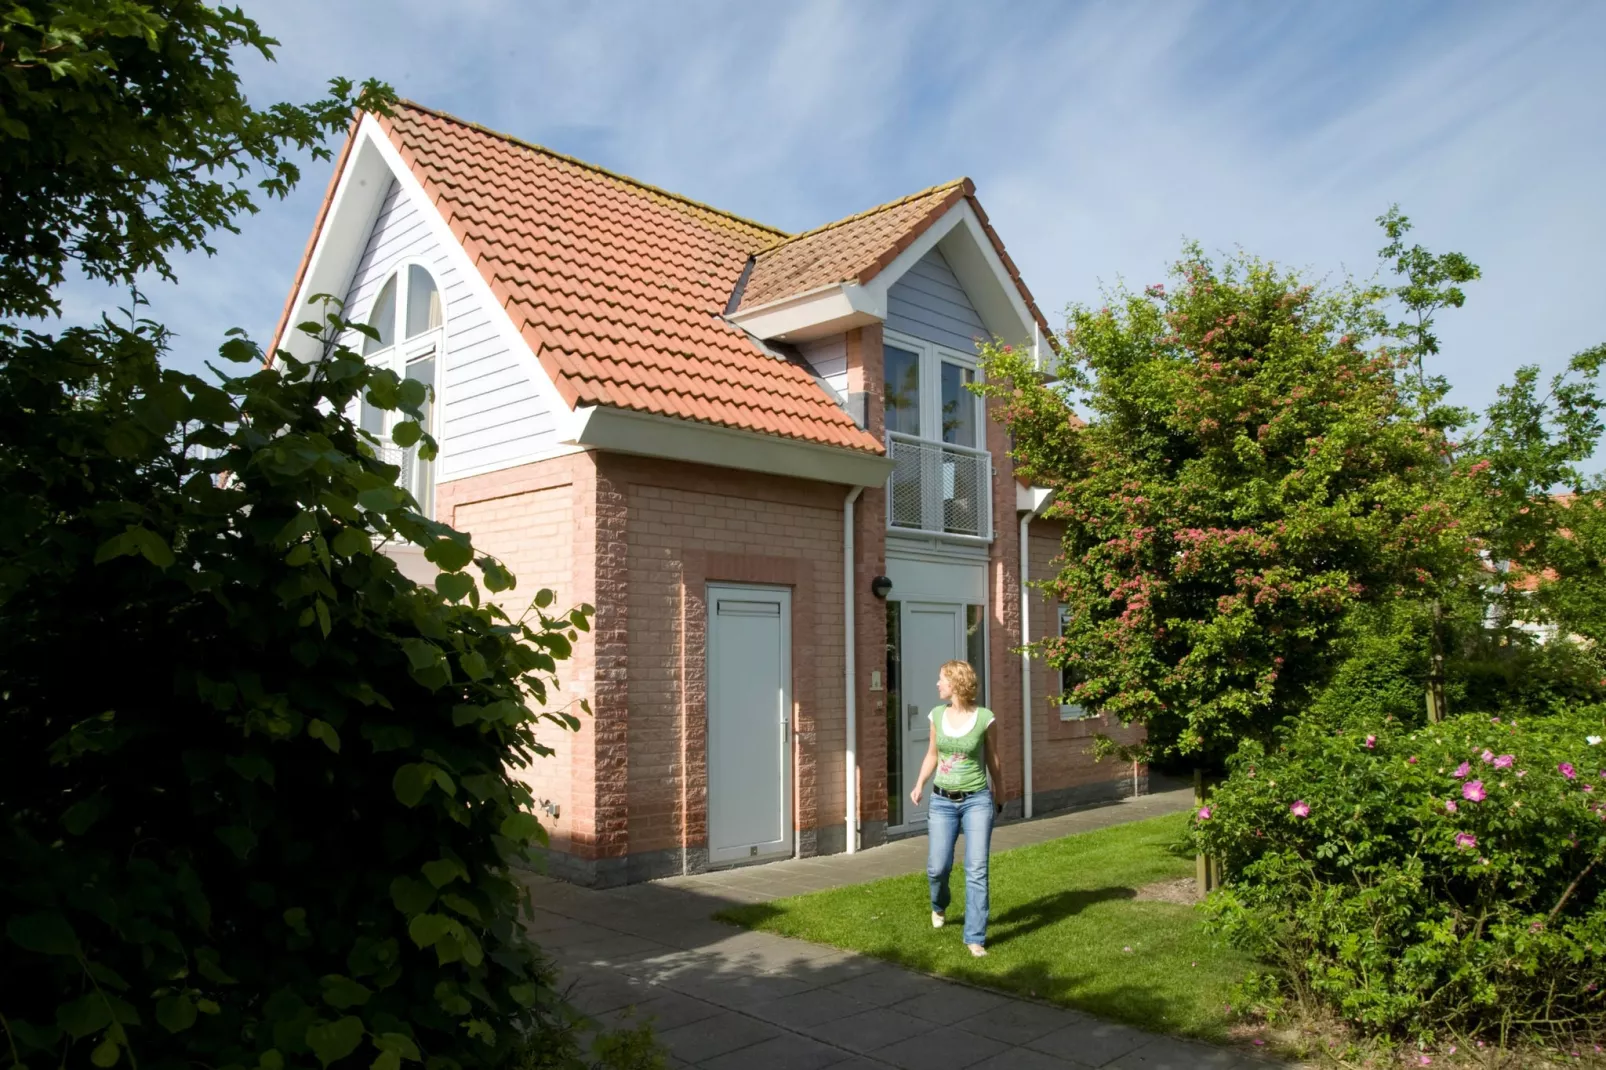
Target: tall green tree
x,y
259,792
1251,469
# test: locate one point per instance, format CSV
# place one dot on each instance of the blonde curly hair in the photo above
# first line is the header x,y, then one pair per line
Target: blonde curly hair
x,y
962,678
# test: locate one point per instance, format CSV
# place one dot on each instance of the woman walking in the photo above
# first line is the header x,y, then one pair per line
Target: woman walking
x,y
963,754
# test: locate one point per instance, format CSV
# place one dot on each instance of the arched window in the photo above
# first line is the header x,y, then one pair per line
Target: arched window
x,y
407,307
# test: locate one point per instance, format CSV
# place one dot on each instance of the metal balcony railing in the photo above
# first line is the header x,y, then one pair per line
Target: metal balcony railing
x,y
939,488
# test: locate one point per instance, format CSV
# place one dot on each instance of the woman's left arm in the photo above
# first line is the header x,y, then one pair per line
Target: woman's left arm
x,y
995,769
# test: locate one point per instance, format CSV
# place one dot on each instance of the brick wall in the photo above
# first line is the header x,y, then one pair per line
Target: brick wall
x,y
865,374
1063,770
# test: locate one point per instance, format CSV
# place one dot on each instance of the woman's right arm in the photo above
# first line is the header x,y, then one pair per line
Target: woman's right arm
x,y
927,767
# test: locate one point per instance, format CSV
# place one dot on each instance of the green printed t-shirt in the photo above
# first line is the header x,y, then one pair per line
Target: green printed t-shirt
x,y
961,759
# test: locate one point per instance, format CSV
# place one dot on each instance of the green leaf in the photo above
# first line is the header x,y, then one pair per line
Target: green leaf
x,y
411,896
412,393
84,1015
175,1013
428,929
343,993
523,994
207,961
333,1041
238,839
406,433
152,546
46,932
421,653
497,577
106,1053
454,586
350,542
239,351
443,871
411,782
473,664
400,1043
323,730
380,499
82,815
321,608
386,1060
544,597
450,554
521,827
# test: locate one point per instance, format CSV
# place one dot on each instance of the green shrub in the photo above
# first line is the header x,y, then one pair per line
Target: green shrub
x,y
1422,880
258,790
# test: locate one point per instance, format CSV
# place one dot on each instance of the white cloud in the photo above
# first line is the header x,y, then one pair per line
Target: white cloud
x,y
1099,135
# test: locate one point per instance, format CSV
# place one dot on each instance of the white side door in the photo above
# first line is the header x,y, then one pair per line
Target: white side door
x,y
932,633
749,723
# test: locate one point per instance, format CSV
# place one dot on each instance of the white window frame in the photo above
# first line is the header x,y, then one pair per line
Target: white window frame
x,y
1069,711
405,351
932,358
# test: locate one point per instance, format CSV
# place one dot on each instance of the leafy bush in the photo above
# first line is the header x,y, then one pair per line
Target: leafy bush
x,y
258,789
1422,880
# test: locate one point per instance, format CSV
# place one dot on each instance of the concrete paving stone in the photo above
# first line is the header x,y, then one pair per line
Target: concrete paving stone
x,y
942,1048
1017,1022
1091,1042
725,1032
843,965
736,990
620,947
803,1009
869,1030
789,1052
1026,1059
662,1010
1167,1053
573,935
950,1004
886,987
600,997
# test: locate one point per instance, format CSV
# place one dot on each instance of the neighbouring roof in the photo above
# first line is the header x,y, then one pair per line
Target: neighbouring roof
x,y
850,250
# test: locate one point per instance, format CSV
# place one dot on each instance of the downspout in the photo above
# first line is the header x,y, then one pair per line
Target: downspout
x,y
850,821
1026,654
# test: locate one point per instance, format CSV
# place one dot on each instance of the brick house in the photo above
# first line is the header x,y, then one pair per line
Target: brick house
x,y
730,440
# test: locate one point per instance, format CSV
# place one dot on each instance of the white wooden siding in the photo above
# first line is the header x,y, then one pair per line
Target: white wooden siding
x,y
928,303
829,359
491,414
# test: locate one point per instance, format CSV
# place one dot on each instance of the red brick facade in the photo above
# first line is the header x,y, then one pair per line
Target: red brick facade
x,y
641,539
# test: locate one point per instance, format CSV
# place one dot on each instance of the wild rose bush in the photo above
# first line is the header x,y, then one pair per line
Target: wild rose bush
x,y
1419,881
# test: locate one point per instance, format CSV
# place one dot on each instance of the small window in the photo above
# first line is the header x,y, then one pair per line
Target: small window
x,y
423,302
382,319
1069,678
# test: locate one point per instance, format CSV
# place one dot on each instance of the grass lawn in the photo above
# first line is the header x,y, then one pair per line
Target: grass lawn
x,y
1065,927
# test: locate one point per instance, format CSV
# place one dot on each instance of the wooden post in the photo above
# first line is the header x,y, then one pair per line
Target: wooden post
x,y
1206,870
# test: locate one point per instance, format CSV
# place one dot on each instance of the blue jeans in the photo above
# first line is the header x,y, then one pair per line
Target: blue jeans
x,y
944,820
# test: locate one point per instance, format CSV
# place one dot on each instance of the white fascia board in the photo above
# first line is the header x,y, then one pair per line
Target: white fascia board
x,y
826,310
355,205
647,435
478,287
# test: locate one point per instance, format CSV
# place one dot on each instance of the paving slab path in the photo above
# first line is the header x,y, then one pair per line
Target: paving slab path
x,y
723,998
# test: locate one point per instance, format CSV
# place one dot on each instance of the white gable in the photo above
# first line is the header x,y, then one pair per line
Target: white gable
x,y
492,415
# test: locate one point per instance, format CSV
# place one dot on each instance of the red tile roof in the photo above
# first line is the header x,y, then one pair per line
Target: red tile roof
x,y
618,287
850,250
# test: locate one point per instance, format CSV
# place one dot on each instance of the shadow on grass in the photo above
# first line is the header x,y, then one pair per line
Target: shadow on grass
x,y
1027,918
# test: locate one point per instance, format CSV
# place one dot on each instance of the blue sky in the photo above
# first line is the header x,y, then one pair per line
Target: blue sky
x,y
1099,135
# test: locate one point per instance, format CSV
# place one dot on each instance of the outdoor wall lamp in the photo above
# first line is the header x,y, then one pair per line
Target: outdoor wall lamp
x,y
880,587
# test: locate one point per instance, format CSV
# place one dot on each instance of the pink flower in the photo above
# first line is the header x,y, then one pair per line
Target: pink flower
x,y
1566,769
1488,756
1204,813
1371,741
1522,772
1473,791
1462,770
1450,806
1300,809
1411,760
1504,761
1424,1061
1464,840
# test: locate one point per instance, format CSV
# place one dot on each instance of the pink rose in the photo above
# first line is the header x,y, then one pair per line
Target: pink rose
x,y
1450,806
1462,770
1411,760
1300,809
1204,813
1566,769
1473,791
1371,742
1465,840
1487,756
1504,761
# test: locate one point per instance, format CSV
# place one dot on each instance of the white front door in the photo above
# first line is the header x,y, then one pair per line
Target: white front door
x,y
931,634
749,722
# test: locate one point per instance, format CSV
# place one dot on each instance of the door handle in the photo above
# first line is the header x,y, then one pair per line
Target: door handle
x,y
914,714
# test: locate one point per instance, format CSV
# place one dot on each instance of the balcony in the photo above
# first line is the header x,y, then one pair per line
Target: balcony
x,y
937,488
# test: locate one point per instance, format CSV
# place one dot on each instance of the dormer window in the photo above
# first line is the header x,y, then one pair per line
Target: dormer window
x,y
409,307
941,483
